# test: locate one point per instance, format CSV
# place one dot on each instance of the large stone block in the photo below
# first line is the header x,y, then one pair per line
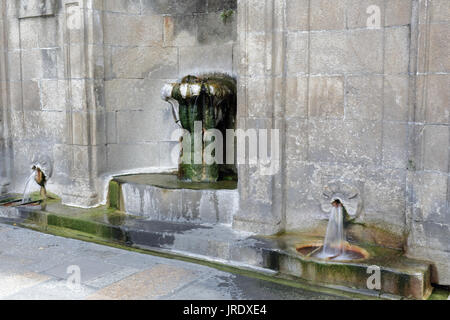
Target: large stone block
x,y
398,12
144,62
213,30
206,59
327,15
436,144
396,99
127,157
145,126
355,51
255,48
395,148
39,64
30,96
357,142
297,53
326,97
364,98
296,139
255,18
13,35
134,94
357,15
432,98
14,66
173,6
123,6
53,95
181,30
28,33
431,198
131,30
111,127
44,126
384,199
220,5
296,96
260,104
297,15
440,272
440,10
36,8
396,58
439,48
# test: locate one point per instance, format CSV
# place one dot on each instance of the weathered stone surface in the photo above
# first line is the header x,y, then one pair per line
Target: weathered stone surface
x,y
213,30
440,11
326,97
181,30
351,51
206,59
436,156
173,6
123,6
439,47
345,141
139,31
357,15
395,145
144,126
327,15
364,98
39,64
297,53
396,99
179,205
296,96
144,62
398,12
432,98
296,14
36,8
218,5
144,155
343,97
396,58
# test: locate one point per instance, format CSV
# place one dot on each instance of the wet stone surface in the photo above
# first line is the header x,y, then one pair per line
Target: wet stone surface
x,y
35,266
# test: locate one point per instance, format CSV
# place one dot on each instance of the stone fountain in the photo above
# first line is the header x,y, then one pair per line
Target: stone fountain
x,y
201,191
210,101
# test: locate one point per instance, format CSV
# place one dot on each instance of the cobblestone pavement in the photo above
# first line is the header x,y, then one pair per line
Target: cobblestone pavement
x,y
34,265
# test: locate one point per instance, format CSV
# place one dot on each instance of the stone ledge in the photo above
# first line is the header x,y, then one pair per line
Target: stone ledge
x,y
401,277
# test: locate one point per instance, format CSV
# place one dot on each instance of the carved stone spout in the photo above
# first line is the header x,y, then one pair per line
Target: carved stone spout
x,y
211,100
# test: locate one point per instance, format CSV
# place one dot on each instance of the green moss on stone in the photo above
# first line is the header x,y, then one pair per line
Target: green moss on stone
x,y
114,195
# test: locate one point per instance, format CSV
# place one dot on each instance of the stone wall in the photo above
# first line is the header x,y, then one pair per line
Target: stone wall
x,y
81,83
429,184
362,112
147,44
364,109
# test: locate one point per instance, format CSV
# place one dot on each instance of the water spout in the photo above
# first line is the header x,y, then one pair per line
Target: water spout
x,y
334,244
26,192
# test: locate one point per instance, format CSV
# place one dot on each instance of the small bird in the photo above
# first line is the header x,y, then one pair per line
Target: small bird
x,y
40,180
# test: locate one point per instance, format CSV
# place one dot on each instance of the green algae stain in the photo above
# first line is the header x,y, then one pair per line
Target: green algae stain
x,y
114,195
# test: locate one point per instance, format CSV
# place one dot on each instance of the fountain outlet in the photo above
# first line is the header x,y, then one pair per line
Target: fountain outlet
x,y
335,246
210,100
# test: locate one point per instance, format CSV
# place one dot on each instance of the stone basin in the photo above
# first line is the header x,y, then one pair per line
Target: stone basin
x,y
351,252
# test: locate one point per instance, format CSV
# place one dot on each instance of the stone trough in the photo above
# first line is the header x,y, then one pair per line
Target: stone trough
x,y
187,235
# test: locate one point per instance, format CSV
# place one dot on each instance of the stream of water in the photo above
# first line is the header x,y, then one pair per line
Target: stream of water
x,y
334,244
26,192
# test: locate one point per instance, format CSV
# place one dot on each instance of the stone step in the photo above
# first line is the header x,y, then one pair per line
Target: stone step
x,y
162,197
400,276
